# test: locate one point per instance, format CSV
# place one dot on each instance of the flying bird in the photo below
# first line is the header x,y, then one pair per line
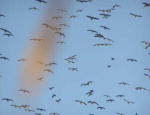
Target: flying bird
x,y
1,15
54,95
41,1
40,109
100,107
132,60
73,16
58,100
33,8
128,101
92,31
123,83
5,58
24,90
51,88
61,34
146,4
135,15
54,114
120,96
92,17
62,10
81,102
48,70
23,60
7,99
106,28
111,100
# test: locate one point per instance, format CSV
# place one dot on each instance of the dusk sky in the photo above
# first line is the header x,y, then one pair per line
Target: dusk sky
x,y
81,66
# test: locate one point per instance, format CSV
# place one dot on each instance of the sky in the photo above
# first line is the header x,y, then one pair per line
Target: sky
x,y
126,31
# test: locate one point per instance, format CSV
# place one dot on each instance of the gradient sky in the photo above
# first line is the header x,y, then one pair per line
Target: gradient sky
x,y
126,31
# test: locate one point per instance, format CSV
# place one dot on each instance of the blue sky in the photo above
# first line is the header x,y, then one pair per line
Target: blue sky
x,y
126,31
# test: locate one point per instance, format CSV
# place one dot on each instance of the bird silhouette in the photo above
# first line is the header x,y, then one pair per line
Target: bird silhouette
x,y
92,17
41,1
7,99
48,70
53,95
100,107
33,8
58,100
24,90
81,102
106,28
40,109
135,15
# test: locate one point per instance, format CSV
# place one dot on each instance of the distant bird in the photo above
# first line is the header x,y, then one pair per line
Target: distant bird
x,y
48,70
73,16
62,10
106,28
123,83
58,100
79,10
33,8
51,88
93,102
105,15
120,114
107,96
23,60
128,101
116,5
46,25
1,15
111,100
146,4
135,15
41,1
99,36
40,78
147,75
73,69
136,114
140,88
24,90
51,64
82,1
92,31
147,69
56,17
15,106
25,106
8,34
54,114
64,25
112,59
92,17
61,34
40,109
100,107
29,110
40,62
38,113
81,102
0,76
61,42
148,46
54,95
7,99
109,66
6,31
119,95
5,58
132,60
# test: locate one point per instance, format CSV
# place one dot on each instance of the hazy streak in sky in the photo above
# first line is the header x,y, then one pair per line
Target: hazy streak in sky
x,y
43,51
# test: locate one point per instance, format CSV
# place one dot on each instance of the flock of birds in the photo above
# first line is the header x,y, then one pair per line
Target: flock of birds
x,y
105,13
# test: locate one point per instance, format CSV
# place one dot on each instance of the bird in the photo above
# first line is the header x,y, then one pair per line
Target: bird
x,y
140,88
58,100
109,66
7,99
23,60
54,95
41,1
15,106
112,59
73,16
2,15
92,17
73,69
33,8
147,69
40,78
48,70
111,100
6,31
107,96
135,15
62,10
29,110
132,60
147,75
120,96
120,113
54,114
99,36
116,5
106,28
123,83
24,90
128,101
46,25
81,1
50,64
61,42
56,17
5,58
92,31
100,107
51,88
93,102
146,4
38,113
81,102
64,25
25,106
61,34
8,34
40,109
40,62
79,10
